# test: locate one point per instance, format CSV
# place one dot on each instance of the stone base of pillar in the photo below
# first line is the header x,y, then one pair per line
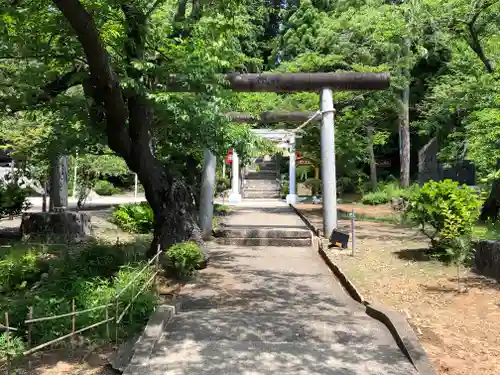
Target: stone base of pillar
x,y
291,198
234,198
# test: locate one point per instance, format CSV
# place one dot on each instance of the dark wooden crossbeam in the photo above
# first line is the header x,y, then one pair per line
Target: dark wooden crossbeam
x,y
271,117
290,82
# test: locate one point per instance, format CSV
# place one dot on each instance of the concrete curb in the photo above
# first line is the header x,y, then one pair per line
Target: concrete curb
x,y
397,325
310,225
404,335
341,276
152,333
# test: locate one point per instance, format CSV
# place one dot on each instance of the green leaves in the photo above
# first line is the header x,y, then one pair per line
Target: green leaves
x,y
444,211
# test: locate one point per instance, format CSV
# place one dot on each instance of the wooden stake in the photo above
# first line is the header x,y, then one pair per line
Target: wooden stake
x,y
7,339
30,327
73,321
108,335
353,232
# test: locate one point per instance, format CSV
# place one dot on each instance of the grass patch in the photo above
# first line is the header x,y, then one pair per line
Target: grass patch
x,y
489,231
106,188
221,209
134,217
394,219
385,193
50,278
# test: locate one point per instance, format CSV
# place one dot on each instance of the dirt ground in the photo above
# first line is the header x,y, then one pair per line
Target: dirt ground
x,y
459,331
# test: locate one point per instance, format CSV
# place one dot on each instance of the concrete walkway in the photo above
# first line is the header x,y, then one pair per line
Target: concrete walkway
x,y
271,310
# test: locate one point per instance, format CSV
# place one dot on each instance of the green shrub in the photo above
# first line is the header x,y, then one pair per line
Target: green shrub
x,y
386,192
184,258
13,347
98,292
18,269
285,187
134,217
444,211
91,276
375,198
99,260
222,184
221,210
13,199
106,188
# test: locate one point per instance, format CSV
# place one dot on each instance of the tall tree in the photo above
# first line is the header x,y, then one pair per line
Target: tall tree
x,y
122,54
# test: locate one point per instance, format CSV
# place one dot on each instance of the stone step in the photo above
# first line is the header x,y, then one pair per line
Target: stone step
x,y
266,325
260,176
223,357
265,187
270,168
262,232
282,242
261,194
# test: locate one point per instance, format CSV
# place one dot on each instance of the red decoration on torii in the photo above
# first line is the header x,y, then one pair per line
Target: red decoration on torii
x,y
229,156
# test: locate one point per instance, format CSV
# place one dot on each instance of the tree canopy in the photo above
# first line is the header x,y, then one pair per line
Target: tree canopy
x,y
95,77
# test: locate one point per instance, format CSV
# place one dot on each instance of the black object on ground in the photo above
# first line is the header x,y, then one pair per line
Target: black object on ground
x,y
339,239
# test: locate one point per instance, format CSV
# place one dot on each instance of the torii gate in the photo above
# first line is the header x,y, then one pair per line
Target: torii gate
x,y
324,83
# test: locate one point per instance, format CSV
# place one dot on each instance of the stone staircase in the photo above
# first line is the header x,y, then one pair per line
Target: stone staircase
x,y
263,237
263,184
259,222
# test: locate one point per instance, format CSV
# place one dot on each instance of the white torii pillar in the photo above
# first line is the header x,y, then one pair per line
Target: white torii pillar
x,y
291,198
328,170
235,196
207,193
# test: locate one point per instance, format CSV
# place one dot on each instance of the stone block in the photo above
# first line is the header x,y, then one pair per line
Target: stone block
x,y
487,258
428,164
66,225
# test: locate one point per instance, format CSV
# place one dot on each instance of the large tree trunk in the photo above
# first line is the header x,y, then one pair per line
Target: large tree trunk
x,y
491,206
371,158
169,198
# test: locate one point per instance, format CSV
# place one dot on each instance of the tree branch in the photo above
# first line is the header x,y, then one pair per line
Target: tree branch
x,y
476,46
106,85
155,6
180,15
59,85
480,10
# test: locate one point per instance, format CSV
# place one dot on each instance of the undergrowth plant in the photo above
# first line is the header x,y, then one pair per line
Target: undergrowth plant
x,y
13,347
183,259
445,213
13,199
386,192
106,188
134,217
91,276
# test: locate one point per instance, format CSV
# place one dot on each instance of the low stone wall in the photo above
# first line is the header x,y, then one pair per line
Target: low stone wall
x,y
487,258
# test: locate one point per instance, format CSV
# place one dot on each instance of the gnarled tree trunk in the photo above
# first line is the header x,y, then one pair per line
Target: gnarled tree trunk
x,y
127,115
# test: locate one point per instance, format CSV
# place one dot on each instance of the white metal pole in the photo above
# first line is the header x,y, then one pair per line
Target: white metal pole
x,y
292,196
328,163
